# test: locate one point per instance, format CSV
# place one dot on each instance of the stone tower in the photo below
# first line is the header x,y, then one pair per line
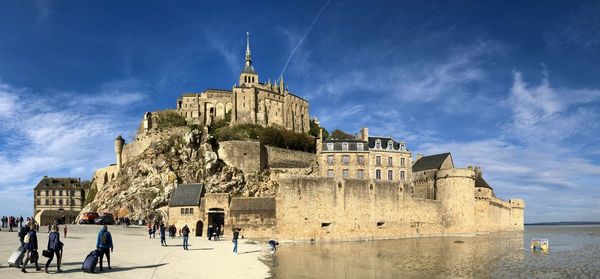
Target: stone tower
x,y
119,142
456,192
248,75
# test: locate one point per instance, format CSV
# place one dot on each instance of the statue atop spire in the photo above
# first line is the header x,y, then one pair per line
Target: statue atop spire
x,y
248,55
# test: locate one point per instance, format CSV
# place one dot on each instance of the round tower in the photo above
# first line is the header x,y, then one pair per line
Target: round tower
x,y
456,193
119,142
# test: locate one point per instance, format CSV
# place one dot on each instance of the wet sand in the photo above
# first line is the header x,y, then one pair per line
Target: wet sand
x,y
136,256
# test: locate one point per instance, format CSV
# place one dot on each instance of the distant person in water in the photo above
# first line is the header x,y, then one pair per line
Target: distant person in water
x,y
273,243
185,231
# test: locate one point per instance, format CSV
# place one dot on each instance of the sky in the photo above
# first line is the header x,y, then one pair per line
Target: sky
x,y
511,86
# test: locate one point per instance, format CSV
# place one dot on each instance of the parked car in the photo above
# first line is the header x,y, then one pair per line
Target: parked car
x,y
88,218
105,219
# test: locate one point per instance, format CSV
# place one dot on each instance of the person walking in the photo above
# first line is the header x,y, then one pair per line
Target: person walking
x,y
163,241
149,230
185,231
210,232
22,233
55,247
236,234
65,230
104,243
31,247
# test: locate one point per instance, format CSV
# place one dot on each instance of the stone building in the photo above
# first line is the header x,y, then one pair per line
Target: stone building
x,y
249,102
423,173
58,197
365,157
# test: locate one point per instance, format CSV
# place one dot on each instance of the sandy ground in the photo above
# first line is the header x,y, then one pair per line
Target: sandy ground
x,y
137,256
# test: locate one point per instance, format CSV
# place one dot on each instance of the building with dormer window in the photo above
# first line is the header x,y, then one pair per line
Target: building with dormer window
x,y
364,157
58,198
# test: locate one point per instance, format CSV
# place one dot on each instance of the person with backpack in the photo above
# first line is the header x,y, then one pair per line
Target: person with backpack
x,y
105,245
31,246
163,241
54,248
22,233
186,233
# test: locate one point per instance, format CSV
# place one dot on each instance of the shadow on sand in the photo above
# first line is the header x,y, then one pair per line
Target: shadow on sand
x,y
248,252
114,268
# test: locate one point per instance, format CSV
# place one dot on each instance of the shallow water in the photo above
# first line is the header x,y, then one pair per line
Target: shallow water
x,y
574,253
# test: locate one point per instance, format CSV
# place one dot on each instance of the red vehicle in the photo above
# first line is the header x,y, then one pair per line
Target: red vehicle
x,y
88,218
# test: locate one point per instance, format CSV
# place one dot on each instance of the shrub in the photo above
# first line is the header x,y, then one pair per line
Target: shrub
x,y
169,118
273,136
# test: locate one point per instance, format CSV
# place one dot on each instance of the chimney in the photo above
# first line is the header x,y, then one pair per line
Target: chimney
x,y
320,141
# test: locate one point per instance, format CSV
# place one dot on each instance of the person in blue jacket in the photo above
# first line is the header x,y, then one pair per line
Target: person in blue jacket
x,y
104,243
55,248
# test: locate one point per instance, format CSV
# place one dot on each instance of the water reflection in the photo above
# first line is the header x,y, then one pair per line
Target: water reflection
x,y
573,253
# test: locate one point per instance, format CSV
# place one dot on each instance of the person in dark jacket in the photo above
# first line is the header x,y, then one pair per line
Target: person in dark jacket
x,y
236,235
22,233
163,241
55,248
104,243
185,231
31,246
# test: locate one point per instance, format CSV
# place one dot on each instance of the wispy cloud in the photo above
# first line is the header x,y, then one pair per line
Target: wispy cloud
x,y
55,136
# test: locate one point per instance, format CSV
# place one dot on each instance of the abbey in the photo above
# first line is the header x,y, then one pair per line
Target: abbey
x,y
249,102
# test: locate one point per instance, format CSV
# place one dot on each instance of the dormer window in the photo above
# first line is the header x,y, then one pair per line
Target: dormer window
x,y
403,147
378,144
330,146
359,146
390,145
344,146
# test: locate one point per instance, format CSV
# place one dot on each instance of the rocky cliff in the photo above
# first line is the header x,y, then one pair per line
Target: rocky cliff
x,y
142,187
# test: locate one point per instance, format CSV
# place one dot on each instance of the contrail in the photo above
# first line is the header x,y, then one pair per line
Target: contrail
x,y
302,38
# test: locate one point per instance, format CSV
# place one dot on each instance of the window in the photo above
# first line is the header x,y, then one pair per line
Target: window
x,y
402,175
345,173
187,211
390,161
403,147
345,159
359,146
60,202
402,162
378,144
390,145
360,174
345,146
390,175
53,202
360,159
46,192
330,160
378,174
329,173
45,202
378,161
330,146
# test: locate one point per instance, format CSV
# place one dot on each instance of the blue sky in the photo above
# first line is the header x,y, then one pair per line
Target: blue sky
x,y
511,86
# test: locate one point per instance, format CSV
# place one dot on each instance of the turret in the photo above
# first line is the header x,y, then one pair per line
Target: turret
x,y
119,143
455,191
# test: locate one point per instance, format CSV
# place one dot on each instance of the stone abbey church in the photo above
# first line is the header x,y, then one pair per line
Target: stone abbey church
x,y
249,102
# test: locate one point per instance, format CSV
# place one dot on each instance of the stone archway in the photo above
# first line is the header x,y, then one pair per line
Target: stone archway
x,y
199,226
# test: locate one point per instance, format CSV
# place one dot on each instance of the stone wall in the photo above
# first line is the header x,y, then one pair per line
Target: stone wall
x,y
145,139
104,175
285,158
253,216
247,156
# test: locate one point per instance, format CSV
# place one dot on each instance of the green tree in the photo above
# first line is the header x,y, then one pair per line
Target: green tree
x,y
341,135
314,130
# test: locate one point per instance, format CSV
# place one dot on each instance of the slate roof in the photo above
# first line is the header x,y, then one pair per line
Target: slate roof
x,y
432,162
480,182
58,183
352,145
252,204
384,143
187,195
248,70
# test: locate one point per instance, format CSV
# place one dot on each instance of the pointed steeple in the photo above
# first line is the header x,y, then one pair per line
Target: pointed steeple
x,y
248,54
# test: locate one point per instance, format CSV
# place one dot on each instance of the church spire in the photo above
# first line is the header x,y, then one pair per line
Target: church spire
x,y
248,55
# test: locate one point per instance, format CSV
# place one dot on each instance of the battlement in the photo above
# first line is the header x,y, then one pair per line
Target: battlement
x,y
455,172
517,203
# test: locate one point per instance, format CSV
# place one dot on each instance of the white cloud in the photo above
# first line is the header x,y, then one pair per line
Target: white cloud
x,y
57,136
